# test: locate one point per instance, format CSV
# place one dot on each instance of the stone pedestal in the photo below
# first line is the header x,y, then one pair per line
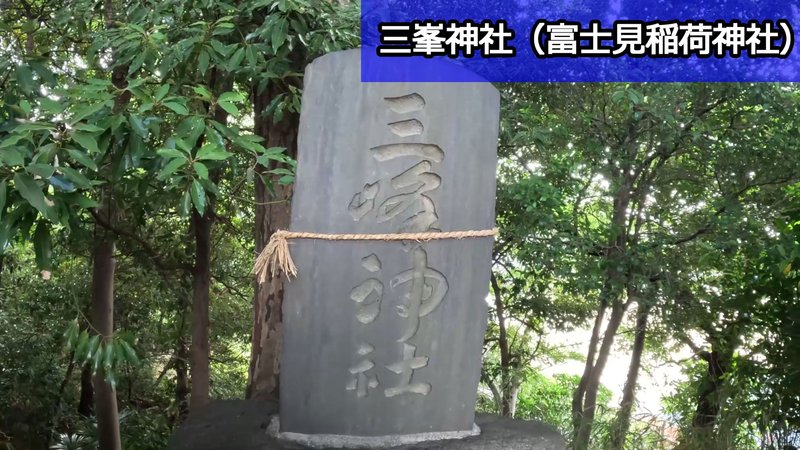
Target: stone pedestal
x,y
244,425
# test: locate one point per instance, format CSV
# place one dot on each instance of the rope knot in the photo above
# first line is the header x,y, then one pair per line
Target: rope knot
x,y
274,257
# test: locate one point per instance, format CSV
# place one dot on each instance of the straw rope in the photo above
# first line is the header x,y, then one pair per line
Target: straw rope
x,y
276,255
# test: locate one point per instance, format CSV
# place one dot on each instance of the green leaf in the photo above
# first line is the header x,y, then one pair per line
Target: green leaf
x,y
137,63
35,126
130,354
108,356
25,78
230,108
236,59
231,97
171,153
202,61
202,92
12,157
198,197
171,167
76,177
250,54
42,170
186,204
82,158
12,140
25,106
51,106
42,245
278,36
138,125
162,92
71,335
86,141
94,344
220,48
33,194
86,111
85,202
177,107
97,358
201,169
80,346
88,127
212,152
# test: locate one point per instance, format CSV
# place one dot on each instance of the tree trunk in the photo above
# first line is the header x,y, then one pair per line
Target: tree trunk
x,y
509,387
86,402
182,380
707,396
580,391
103,269
272,213
585,398
510,393
584,431
622,423
201,286
104,265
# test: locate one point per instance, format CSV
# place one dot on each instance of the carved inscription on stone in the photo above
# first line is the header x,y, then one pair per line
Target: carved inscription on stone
x,y
362,381
420,288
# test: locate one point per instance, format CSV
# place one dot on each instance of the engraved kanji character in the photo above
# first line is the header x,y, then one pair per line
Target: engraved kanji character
x,y
363,202
424,218
391,151
428,288
420,179
368,294
361,382
405,369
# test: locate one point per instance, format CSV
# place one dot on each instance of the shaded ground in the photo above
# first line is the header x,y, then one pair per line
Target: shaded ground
x,y
242,425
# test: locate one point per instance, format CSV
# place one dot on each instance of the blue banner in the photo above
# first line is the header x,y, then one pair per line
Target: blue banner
x,y
579,41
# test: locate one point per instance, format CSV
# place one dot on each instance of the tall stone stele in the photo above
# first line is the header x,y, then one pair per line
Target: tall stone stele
x,y
382,340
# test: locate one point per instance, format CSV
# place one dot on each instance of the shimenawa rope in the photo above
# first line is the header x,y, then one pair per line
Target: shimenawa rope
x,y
276,255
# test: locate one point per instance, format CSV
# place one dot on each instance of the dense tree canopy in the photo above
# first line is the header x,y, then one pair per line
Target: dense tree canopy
x,y
147,152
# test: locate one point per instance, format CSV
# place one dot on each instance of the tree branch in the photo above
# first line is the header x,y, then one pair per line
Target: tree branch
x,y
146,246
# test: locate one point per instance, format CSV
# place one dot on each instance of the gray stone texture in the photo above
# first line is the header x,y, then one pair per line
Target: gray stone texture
x,y
242,425
384,338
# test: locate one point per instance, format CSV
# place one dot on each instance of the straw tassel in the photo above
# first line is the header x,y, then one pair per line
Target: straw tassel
x,y
274,257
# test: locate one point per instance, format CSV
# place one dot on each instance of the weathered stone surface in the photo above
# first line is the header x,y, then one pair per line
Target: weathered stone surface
x,y
384,338
242,425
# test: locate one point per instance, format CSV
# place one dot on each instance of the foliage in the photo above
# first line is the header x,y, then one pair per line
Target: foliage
x,y
548,399
681,198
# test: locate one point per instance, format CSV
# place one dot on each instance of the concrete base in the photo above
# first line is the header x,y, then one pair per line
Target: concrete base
x,y
244,425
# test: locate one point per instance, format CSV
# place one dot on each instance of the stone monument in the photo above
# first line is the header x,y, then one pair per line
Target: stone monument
x,y
383,339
